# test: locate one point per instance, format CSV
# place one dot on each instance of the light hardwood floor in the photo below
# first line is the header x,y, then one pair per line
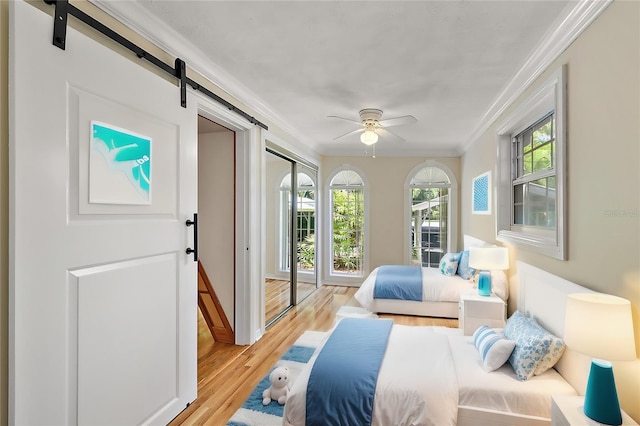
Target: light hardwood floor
x,y
278,296
227,373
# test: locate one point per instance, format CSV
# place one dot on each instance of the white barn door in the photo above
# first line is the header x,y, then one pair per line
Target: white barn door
x,y
103,176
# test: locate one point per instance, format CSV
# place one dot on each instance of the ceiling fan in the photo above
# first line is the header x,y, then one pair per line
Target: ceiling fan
x,y
373,126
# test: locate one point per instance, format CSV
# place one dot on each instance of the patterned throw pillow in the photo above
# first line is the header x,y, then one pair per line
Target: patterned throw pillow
x,y
464,270
532,345
556,349
449,264
494,349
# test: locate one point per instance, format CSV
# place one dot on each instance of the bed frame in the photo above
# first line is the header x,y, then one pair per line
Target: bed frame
x,y
426,309
543,296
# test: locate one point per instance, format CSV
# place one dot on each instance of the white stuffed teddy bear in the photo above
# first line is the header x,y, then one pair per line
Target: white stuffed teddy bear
x,y
279,388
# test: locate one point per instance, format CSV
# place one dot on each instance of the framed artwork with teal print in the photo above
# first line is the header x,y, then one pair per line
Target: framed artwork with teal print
x,y
119,166
481,194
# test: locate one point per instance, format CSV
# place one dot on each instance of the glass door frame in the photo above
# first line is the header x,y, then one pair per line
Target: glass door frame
x,y
293,219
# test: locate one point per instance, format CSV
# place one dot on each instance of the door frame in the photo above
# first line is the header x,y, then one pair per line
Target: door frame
x,y
248,324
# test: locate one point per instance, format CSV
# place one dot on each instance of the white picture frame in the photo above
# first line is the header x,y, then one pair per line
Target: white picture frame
x,y
481,194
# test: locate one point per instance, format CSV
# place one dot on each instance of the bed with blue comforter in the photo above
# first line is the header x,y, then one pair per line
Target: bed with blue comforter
x,y
373,372
363,374
412,290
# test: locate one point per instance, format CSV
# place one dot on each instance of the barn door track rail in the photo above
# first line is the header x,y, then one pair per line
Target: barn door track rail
x,y
63,8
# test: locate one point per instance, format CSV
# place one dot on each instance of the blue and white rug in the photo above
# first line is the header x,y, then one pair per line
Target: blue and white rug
x,y
252,412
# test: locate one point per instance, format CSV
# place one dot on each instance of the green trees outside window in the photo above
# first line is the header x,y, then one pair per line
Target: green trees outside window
x,y
348,237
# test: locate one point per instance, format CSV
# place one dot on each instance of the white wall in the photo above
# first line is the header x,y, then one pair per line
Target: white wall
x,y
216,214
603,152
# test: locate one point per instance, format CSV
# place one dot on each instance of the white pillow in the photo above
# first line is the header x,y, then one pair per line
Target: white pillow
x,y
494,349
500,284
449,264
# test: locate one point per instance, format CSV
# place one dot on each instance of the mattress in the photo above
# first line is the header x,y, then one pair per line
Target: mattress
x,y
500,390
436,287
406,392
429,372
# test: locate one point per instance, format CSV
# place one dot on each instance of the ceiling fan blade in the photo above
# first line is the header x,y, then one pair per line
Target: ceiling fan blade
x,y
346,119
353,132
398,121
388,135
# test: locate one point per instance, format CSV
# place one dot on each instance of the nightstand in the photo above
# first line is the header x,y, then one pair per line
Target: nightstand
x,y
475,310
567,410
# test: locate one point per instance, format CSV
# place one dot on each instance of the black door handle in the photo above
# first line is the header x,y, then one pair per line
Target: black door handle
x,y
193,250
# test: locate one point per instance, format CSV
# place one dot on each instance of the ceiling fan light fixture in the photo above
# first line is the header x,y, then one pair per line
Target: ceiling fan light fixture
x,y
369,137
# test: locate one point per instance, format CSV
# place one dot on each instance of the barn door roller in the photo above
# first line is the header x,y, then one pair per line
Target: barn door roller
x,y
179,70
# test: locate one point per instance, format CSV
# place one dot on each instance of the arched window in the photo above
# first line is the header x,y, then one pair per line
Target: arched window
x,y
430,219
348,223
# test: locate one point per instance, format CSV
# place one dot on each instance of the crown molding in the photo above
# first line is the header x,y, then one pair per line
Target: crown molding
x,y
557,40
390,153
138,19
564,32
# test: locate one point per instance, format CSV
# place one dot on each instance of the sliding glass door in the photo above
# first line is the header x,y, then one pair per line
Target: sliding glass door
x,y
291,233
278,280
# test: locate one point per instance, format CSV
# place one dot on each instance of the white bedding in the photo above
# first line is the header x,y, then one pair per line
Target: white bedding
x,y
500,390
436,287
429,372
406,392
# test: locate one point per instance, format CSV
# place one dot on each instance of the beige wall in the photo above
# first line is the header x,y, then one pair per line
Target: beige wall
x,y
386,197
216,215
4,208
603,152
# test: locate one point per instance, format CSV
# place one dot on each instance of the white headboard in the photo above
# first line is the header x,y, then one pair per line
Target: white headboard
x,y
543,296
470,241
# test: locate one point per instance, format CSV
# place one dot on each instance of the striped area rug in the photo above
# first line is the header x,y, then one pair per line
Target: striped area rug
x,y
252,412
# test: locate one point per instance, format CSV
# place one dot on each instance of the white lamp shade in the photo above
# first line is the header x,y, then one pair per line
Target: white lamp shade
x,y
600,325
489,258
369,137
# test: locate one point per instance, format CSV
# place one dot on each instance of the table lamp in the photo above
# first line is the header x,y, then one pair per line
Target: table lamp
x,y
600,325
486,259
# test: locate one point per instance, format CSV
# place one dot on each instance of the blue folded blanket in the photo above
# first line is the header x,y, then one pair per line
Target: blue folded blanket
x,y
343,379
398,282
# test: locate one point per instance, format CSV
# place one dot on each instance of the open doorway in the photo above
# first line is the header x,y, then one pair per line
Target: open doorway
x,y
216,235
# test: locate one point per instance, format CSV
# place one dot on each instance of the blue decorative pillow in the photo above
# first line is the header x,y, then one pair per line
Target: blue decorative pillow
x,y
556,349
494,349
449,264
464,270
532,345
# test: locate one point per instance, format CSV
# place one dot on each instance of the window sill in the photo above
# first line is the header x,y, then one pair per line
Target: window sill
x,y
540,244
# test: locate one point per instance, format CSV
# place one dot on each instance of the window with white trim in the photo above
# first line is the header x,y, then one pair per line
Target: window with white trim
x,y
531,172
347,223
429,192
534,180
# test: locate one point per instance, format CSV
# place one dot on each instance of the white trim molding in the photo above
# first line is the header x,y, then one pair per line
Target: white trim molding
x,y
327,235
138,19
562,34
248,323
551,96
452,234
